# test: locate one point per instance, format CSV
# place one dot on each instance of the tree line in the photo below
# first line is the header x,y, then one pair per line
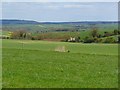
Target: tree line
x,y
93,37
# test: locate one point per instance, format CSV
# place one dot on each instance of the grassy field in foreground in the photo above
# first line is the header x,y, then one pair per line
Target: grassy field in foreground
x,y
36,64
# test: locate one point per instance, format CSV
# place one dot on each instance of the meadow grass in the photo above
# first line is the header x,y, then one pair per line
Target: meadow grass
x,y
35,64
0,64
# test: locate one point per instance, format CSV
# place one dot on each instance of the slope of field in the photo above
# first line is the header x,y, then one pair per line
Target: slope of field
x,y
36,64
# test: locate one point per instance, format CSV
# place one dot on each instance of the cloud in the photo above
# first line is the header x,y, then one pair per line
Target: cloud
x,y
66,5
77,6
52,7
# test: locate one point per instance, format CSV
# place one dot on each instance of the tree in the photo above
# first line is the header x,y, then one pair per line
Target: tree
x,y
118,39
21,34
77,39
94,32
115,32
88,40
106,34
118,31
99,35
109,40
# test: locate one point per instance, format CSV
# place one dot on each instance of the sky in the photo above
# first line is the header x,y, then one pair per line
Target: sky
x,y
60,0
60,11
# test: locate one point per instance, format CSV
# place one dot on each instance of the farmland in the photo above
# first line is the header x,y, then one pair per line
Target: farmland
x,y
39,55
36,64
85,32
59,45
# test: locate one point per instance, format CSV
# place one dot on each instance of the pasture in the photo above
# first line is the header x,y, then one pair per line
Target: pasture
x,y
36,64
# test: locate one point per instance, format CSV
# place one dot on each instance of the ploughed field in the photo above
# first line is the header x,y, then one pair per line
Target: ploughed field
x,y
37,64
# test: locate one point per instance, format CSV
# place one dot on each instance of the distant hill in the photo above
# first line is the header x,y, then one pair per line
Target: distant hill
x,y
17,22
13,21
82,22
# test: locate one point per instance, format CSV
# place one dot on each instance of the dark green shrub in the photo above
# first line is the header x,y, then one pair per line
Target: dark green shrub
x,y
109,40
88,40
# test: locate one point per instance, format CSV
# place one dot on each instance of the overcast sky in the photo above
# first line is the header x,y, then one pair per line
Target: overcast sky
x,y
60,0
61,11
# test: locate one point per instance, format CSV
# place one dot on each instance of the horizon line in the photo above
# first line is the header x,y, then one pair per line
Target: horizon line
x,y
64,21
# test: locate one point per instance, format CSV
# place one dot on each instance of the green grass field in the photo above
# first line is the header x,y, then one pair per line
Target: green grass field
x,y
36,64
